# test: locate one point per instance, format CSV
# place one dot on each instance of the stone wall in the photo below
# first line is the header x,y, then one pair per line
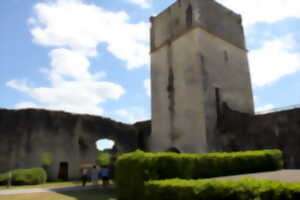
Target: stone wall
x,y
26,134
177,91
144,131
220,61
280,130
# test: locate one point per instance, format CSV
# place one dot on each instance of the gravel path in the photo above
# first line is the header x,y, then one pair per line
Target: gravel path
x,y
289,175
39,190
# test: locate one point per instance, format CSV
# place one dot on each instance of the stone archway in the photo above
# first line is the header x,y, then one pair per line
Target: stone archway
x,y
173,149
69,139
107,149
91,130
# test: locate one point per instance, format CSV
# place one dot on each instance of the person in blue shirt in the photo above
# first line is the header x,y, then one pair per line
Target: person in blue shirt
x,y
105,175
94,175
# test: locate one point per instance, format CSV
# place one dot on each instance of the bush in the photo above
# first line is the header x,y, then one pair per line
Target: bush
x,y
3,179
103,158
46,159
244,189
33,176
134,168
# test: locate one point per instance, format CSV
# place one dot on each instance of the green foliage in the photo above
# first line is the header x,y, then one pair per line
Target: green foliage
x,y
31,176
3,178
103,158
46,159
134,168
244,189
129,176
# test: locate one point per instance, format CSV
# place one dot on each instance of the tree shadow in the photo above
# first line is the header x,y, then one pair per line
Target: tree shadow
x,y
92,194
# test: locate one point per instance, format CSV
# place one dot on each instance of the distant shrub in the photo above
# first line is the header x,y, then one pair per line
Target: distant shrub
x,y
134,168
33,176
103,158
46,159
3,178
244,189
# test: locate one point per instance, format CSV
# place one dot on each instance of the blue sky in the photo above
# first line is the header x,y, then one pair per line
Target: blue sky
x,y
92,56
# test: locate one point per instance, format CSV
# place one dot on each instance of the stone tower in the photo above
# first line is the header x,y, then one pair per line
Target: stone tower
x,y
198,62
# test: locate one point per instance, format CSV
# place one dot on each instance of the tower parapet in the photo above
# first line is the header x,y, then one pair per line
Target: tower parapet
x,y
186,15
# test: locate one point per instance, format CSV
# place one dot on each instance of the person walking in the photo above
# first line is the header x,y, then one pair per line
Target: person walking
x,y
105,176
95,175
84,176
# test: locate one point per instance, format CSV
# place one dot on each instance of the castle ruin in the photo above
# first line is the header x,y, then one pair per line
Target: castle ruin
x,y
198,62
201,102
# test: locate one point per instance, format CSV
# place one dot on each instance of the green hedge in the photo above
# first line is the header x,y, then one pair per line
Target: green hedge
x,y
103,158
31,176
3,178
133,169
244,189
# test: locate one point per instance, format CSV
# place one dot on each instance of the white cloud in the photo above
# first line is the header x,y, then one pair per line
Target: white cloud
x,y
273,61
26,104
75,29
69,64
125,115
147,86
81,27
20,85
269,11
73,88
131,115
264,109
142,3
73,96
256,99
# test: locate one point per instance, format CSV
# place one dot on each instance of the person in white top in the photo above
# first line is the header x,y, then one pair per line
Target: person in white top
x,y
84,176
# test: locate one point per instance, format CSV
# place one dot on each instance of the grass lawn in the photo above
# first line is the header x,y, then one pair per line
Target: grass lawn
x,y
98,194
48,185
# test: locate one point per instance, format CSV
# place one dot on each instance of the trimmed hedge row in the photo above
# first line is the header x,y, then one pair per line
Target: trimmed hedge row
x,y
244,189
31,176
133,169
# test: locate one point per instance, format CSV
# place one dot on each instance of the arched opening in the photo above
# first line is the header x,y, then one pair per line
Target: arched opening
x,y
106,152
173,150
63,173
189,17
105,144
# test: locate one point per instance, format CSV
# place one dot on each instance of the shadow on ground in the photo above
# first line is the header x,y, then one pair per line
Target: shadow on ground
x,y
95,194
89,194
